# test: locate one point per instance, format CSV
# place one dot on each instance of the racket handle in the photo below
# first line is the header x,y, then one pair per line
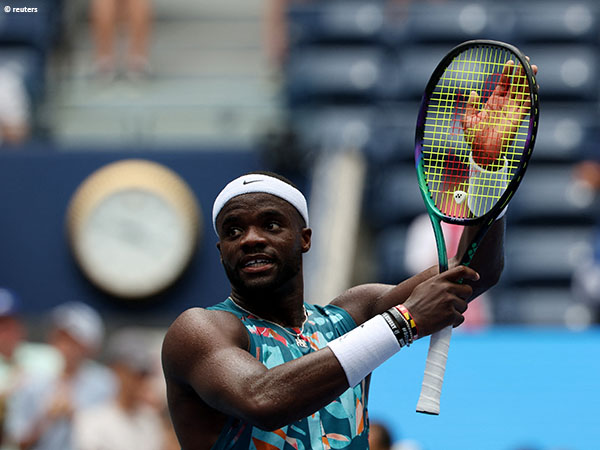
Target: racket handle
x,y
433,379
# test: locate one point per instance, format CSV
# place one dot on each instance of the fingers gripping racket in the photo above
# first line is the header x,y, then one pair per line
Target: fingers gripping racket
x,y
475,134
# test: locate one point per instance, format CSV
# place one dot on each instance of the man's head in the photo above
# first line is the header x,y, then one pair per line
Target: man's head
x,y
261,220
130,355
77,331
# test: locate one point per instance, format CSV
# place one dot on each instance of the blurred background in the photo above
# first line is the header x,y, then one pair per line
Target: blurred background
x,y
326,93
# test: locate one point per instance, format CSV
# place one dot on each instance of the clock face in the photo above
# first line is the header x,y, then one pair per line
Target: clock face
x,y
134,243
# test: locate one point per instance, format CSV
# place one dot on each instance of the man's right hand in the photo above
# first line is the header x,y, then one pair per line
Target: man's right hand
x,y
441,300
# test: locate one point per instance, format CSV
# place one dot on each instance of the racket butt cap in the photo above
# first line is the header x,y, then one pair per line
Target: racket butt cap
x,y
429,406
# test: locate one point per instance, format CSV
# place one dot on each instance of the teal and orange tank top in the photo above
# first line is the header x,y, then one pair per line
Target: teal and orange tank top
x,y
343,424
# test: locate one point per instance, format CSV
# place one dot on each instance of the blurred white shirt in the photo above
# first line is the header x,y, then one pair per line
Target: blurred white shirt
x,y
109,427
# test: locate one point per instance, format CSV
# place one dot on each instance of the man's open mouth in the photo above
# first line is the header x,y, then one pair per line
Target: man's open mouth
x,y
258,262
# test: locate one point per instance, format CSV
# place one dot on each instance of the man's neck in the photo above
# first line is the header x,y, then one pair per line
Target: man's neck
x,y
285,310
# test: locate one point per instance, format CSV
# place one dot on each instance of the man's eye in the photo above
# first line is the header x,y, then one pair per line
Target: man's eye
x,y
272,226
234,231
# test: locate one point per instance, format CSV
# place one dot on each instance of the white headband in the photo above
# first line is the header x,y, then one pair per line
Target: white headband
x,y
247,184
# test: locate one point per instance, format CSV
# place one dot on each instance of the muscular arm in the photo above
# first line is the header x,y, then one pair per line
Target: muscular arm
x,y
489,258
207,351
365,301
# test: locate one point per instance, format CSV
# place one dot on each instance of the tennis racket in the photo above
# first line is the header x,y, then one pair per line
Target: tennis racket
x,y
475,134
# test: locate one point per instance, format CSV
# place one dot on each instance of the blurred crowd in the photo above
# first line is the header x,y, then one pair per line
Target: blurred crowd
x,y
29,41
78,390
586,277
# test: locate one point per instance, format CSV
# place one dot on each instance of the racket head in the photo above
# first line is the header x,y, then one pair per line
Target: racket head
x,y
445,147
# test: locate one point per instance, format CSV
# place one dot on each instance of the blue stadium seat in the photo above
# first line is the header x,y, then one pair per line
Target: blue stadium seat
x,y
393,196
556,21
384,133
550,194
542,254
453,22
567,72
335,22
330,128
417,63
319,74
394,138
567,132
390,250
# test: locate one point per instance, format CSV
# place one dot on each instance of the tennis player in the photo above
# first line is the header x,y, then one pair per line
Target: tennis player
x,y
266,370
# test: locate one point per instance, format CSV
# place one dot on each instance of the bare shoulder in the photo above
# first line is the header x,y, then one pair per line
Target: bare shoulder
x,y
198,332
194,347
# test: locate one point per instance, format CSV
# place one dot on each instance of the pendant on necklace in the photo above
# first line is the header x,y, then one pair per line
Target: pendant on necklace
x,y
300,342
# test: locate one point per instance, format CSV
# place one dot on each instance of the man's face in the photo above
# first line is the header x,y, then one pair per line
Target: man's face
x,y
262,240
72,349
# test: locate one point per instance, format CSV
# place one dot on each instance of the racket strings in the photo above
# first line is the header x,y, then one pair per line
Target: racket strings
x,y
475,132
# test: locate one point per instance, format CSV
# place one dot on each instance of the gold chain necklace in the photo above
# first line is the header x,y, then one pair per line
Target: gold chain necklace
x,y
297,336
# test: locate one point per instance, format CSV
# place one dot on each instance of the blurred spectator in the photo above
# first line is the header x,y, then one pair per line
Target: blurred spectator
x,y
15,107
275,32
19,360
156,395
40,414
379,437
586,278
107,16
130,420
588,172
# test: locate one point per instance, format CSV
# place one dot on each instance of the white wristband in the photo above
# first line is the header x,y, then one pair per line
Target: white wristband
x,y
363,349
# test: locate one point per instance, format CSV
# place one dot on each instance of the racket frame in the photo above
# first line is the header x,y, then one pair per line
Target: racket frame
x,y
429,402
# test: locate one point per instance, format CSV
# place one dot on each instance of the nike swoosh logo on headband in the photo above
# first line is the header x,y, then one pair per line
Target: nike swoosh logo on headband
x,y
250,181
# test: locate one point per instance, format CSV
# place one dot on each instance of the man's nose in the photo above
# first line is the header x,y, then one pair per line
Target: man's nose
x,y
253,236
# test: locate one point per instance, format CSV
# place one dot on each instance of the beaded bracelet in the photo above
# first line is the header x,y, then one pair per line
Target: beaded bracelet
x,y
411,322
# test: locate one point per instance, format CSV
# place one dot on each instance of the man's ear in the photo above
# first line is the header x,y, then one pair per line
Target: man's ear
x,y
220,255
306,239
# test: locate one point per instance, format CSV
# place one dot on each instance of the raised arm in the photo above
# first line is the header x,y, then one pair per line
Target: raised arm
x,y
489,258
366,301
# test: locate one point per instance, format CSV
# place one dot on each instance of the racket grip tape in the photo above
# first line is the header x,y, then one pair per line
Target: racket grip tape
x,y
435,367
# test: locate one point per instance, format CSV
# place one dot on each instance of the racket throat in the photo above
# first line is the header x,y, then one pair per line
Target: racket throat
x,y
440,242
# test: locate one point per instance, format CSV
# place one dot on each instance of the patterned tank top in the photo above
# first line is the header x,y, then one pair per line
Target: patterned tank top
x,y
343,424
